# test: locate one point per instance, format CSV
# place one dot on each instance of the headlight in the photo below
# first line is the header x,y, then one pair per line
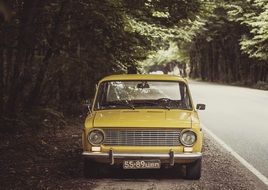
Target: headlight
x,y
95,137
188,138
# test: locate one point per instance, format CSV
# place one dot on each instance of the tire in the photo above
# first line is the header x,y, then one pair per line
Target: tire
x,y
193,170
91,169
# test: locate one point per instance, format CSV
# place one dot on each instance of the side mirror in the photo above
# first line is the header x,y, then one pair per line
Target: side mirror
x,y
200,106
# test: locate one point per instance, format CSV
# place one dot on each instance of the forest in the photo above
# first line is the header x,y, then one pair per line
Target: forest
x,y
53,52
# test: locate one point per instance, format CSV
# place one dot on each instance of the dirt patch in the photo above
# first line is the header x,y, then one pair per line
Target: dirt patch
x,y
42,160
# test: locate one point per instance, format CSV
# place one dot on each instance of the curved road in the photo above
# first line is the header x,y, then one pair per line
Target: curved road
x,y
239,117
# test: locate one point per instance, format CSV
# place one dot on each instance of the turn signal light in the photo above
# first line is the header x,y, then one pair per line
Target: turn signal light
x,y
95,149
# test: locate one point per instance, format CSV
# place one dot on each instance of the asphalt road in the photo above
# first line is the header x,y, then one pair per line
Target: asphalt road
x,y
239,117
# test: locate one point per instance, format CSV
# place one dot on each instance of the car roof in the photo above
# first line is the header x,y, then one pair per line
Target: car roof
x,y
157,77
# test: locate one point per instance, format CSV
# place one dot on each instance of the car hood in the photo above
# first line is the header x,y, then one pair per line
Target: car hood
x,y
143,118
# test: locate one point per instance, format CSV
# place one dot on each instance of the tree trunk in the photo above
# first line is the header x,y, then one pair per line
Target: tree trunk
x,y
8,68
35,93
1,82
27,16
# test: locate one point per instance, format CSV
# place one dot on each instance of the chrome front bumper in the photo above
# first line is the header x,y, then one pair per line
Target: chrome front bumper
x,y
171,156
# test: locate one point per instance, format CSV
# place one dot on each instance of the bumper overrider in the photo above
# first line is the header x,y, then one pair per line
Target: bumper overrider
x,y
172,157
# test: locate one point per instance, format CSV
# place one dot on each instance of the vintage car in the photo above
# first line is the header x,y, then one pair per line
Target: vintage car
x,y
141,121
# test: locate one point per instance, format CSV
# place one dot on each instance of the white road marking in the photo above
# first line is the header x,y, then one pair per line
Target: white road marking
x,y
238,157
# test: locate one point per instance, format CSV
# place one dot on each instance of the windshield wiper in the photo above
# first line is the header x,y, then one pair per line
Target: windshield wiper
x,y
166,107
157,104
120,103
128,104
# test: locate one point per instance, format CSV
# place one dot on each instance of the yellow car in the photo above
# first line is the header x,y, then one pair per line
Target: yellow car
x,y
143,122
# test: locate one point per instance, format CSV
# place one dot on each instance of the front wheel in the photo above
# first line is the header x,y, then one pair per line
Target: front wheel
x,y
193,170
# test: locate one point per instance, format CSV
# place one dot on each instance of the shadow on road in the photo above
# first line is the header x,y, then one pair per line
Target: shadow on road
x,y
117,173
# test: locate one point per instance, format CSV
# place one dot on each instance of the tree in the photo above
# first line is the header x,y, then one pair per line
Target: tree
x,y
53,52
218,51
254,16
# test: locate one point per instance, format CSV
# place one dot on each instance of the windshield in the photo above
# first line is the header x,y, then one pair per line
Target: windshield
x,y
143,94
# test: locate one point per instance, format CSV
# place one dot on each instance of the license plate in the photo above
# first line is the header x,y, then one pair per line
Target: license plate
x,y
141,164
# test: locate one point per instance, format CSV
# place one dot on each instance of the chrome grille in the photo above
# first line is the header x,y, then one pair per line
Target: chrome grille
x,y
142,137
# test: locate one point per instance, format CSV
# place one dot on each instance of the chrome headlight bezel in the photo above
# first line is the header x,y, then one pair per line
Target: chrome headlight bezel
x,y
98,130
187,131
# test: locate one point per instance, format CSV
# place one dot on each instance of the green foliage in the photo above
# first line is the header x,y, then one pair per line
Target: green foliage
x,y
53,52
232,45
166,13
254,15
